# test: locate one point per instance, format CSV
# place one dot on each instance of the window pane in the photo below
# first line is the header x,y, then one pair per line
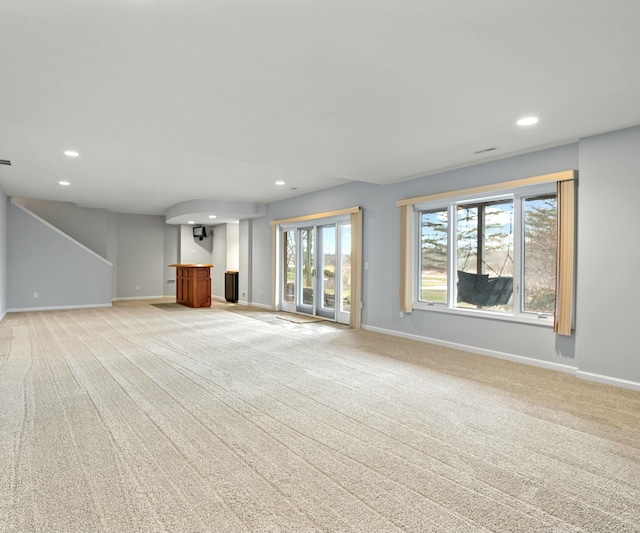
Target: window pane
x,y
328,237
290,266
485,255
307,265
540,244
433,256
345,279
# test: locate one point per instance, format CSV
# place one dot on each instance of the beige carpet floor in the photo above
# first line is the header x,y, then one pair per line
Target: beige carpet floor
x,y
161,418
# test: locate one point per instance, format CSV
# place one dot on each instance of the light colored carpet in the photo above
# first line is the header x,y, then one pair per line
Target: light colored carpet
x,y
133,418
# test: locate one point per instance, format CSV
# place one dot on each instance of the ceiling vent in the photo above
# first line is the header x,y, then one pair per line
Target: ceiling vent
x,y
486,150
5,162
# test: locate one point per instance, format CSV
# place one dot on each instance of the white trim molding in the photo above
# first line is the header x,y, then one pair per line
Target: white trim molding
x,y
56,308
607,380
261,306
139,298
550,365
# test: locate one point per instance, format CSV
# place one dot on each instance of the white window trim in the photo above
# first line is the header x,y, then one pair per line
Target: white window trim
x,y
451,203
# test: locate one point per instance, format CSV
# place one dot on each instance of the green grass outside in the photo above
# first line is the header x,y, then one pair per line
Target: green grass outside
x,y
433,288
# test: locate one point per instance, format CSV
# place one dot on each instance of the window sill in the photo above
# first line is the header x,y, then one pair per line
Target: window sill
x,y
524,318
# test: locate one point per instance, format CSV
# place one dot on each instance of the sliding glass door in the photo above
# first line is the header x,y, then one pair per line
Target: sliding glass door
x,y
316,270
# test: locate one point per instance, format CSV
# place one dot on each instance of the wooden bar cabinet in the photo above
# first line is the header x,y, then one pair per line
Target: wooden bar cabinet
x,y
193,284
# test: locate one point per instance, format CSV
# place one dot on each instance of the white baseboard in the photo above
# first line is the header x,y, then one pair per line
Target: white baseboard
x,y
220,298
251,304
261,306
616,382
2,316
567,369
56,308
137,298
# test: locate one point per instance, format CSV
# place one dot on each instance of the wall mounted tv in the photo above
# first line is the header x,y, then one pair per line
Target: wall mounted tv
x,y
199,232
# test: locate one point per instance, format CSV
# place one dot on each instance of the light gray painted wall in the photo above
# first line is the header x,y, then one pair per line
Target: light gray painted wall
x,y
112,250
140,250
608,313
381,251
193,250
43,260
87,226
219,260
244,260
3,253
171,256
233,247
261,254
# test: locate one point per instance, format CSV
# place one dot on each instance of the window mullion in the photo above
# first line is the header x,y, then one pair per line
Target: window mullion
x,y
452,254
518,254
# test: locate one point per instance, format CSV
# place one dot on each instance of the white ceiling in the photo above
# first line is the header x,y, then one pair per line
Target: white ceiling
x,y
172,101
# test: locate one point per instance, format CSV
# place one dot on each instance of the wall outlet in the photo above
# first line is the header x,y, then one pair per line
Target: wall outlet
x,y
261,292
137,287
35,294
244,294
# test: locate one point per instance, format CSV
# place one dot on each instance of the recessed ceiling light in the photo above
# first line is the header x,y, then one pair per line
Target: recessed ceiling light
x,y
71,153
65,183
192,222
527,121
212,216
280,182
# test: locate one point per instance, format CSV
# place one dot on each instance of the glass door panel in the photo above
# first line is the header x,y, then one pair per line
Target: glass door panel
x,y
289,270
316,270
345,261
327,271
305,301
343,281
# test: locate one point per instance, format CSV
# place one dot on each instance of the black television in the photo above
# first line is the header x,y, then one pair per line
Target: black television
x,y
199,232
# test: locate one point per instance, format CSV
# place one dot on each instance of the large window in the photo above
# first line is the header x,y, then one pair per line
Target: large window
x,y
489,254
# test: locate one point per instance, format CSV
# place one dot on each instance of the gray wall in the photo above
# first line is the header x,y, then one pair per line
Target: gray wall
x,y
3,253
42,260
87,226
171,256
112,250
381,230
244,260
140,252
233,247
261,252
192,249
219,260
601,348
608,310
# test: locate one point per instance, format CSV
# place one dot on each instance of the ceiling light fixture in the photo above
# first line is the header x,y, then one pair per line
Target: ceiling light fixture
x,y
280,182
212,216
192,222
527,121
71,153
64,183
